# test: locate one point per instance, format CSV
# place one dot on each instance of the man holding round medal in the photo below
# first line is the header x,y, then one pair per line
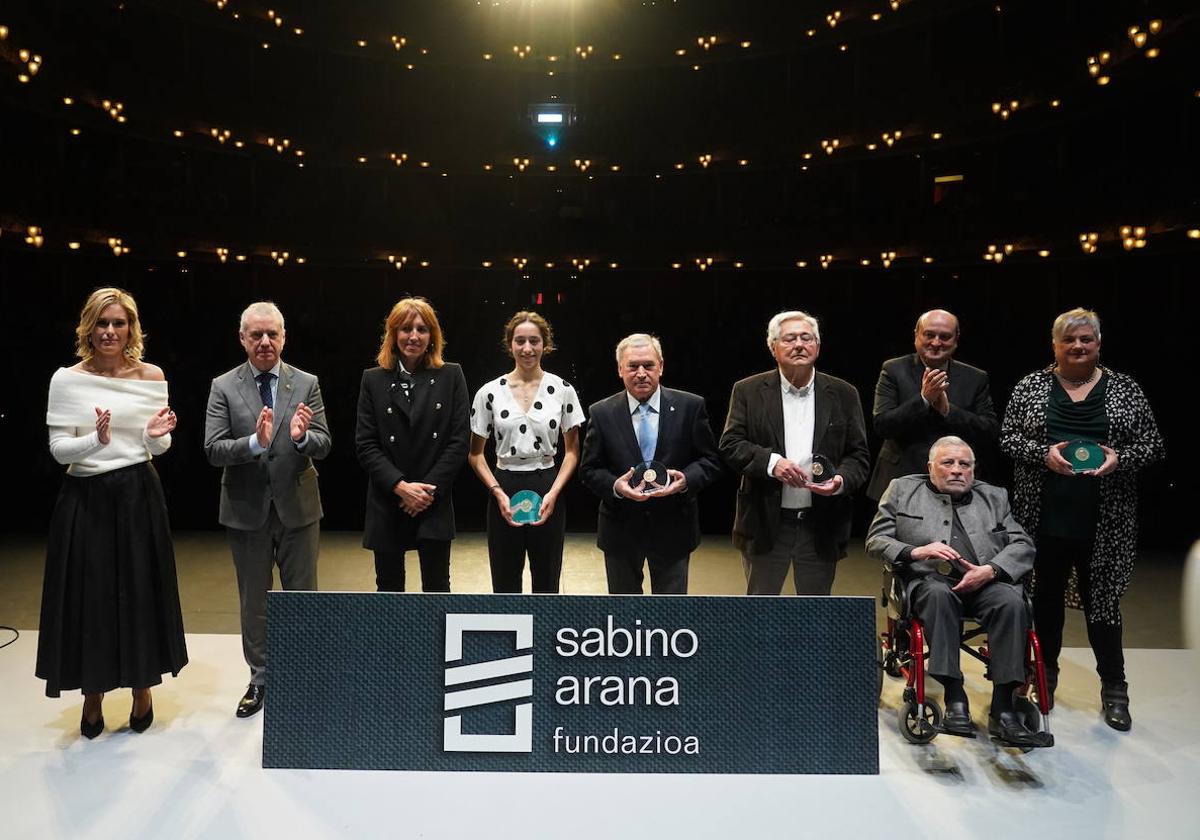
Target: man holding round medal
x,y
648,452
798,440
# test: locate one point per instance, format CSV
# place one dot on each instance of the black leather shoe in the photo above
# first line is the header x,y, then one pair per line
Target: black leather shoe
x,y
957,720
1010,731
1114,698
141,724
90,730
252,700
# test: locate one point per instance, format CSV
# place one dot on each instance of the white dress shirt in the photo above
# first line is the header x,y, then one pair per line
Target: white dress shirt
x,y
799,425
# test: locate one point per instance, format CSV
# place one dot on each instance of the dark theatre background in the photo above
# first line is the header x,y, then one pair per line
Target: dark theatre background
x,y
237,159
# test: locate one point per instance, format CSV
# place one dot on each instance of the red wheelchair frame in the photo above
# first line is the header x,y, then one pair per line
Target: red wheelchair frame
x,y
902,653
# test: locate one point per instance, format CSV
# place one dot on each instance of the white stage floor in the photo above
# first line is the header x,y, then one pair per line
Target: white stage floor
x,y
197,773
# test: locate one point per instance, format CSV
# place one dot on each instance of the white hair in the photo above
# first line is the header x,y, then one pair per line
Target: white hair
x,y
949,440
639,340
774,325
258,309
1073,318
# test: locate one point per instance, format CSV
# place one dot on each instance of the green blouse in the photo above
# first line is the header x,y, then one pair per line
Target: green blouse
x,y
1071,504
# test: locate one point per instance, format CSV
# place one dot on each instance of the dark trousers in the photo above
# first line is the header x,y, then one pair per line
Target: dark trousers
x,y
434,556
668,573
1052,568
508,544
796,548
1000,608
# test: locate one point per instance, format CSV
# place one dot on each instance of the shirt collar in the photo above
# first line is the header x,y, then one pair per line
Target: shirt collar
x,y
653,402
789,388
273,371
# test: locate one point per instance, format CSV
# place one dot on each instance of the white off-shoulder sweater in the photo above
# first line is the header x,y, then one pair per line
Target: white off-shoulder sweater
x,y
71,416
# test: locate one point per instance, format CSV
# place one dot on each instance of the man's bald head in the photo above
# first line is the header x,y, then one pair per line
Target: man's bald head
x,y
936,337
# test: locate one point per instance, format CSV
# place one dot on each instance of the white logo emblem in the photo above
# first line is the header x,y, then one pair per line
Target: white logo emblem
x,y
521,665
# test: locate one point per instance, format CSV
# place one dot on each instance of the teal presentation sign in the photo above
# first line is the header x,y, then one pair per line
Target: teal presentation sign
x,y
571,683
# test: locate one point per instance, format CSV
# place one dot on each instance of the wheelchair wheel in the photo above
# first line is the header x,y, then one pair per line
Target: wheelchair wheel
x,y
1028,711
920,729
891,664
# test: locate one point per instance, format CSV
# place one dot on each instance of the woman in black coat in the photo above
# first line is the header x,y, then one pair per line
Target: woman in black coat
x,y
412,438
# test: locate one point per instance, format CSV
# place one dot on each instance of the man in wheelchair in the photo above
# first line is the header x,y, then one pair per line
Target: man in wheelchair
x,y
959,551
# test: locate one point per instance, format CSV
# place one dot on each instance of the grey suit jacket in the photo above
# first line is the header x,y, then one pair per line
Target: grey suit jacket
x,y
909,426
911,513
284,473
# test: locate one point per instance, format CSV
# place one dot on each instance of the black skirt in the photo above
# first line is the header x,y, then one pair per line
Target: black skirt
x,y
110,599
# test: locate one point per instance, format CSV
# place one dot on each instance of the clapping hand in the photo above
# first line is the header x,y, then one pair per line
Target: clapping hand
x,y
300,422
934,384
264,427
103,422
161,423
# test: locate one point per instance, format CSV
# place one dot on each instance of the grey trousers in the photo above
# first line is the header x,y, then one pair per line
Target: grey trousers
x,y
999,607
255,554
796,548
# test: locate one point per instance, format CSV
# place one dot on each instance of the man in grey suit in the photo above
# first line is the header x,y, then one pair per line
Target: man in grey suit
x,y
926,395
264,426
958,549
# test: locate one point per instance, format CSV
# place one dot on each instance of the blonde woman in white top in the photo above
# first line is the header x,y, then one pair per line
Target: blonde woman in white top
x,y
110,600
530,415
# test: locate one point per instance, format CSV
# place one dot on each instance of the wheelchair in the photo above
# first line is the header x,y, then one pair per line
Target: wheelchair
x,y
902,654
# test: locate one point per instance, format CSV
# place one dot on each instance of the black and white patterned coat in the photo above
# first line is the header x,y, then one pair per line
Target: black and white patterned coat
x,y
1132,434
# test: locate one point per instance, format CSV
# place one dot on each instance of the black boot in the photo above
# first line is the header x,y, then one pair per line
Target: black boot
x,y
1114,699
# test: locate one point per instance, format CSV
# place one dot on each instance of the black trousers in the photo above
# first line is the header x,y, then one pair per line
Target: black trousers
x,y
668,574
1055,559
434,556
508,545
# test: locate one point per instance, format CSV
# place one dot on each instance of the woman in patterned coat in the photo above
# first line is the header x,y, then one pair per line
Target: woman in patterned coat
x,y
1084,523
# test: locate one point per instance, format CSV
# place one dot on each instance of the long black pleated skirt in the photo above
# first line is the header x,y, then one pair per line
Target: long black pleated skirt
x,y
110,600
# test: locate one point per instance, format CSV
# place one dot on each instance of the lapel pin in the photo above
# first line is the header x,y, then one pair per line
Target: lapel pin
x,y
672,408
430,381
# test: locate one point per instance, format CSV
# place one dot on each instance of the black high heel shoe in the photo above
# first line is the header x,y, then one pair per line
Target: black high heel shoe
x,y
141,724
91,730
